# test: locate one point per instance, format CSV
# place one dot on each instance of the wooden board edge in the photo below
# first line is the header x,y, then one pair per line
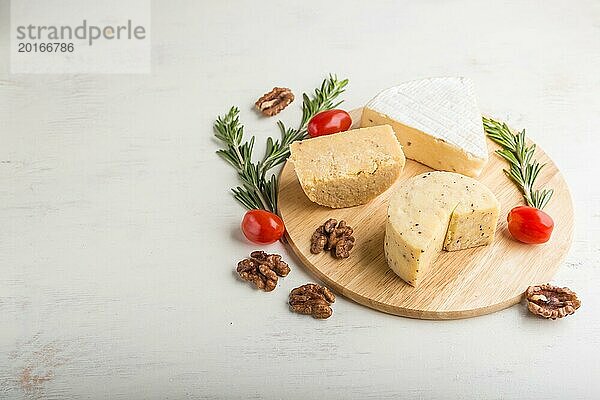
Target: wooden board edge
x,y
405,312
412,313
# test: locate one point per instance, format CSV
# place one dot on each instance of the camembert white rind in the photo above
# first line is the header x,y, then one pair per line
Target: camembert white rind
x,y
348,168
437,121
435,211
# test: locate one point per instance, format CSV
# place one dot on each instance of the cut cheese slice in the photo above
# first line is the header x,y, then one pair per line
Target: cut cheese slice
x,y
437,121
348,168
435,211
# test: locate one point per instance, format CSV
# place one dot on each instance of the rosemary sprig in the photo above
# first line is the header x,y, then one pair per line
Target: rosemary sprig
x,y
523,168
258,190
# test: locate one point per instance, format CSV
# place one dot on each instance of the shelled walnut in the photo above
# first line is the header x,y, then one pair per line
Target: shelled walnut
x,y
312,299
551,301
333,236
262,269
275,101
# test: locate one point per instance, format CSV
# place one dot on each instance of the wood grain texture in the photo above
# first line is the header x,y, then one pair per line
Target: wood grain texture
x,y
459,284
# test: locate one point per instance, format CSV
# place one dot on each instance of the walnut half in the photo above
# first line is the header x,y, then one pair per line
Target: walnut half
x,y
312,299
262,270
333,236
551,301
275,101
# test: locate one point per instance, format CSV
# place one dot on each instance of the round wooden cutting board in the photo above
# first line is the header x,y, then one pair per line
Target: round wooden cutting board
x,y
460,284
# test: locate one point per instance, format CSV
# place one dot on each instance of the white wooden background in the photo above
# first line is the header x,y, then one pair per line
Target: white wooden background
x,y
118,238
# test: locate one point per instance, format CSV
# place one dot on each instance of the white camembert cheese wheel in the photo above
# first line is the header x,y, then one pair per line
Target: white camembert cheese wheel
x,y
436,120
436,211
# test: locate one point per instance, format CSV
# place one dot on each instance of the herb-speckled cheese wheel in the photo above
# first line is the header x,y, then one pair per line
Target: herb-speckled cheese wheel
x,y
348,168
435,211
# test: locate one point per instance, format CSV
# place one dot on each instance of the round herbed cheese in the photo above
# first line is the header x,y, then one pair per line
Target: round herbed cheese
x,y
436,211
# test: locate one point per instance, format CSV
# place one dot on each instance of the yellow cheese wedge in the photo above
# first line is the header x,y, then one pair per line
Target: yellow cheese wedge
x,y
348,168
436,211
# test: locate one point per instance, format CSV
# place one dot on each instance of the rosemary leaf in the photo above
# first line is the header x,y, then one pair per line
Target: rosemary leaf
x,y
523,169
259,190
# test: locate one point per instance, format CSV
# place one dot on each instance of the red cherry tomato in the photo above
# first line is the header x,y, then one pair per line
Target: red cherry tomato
x,y
262,227
530,225
328,122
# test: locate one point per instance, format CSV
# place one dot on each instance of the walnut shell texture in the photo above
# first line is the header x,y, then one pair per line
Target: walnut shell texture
x,y
551,302
312,299
273,102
